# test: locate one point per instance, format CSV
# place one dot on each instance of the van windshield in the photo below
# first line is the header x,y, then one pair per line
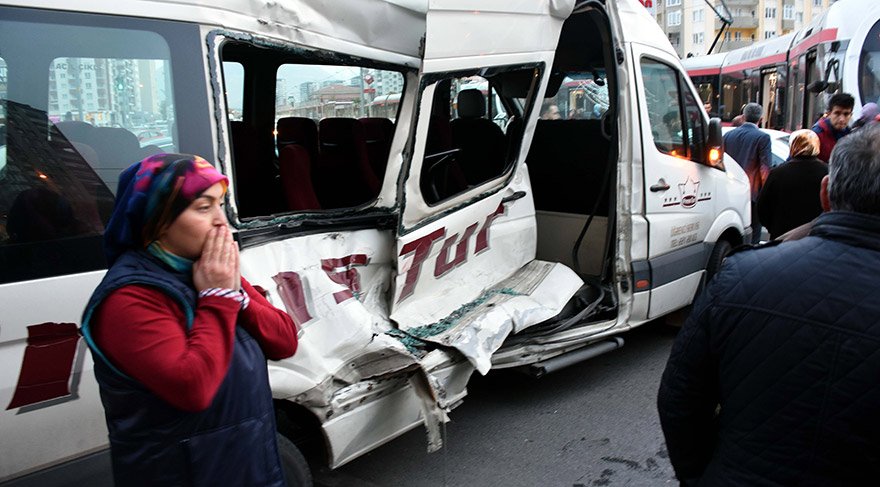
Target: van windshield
x,y
869,67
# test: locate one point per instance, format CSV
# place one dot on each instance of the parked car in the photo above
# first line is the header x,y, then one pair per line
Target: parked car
x,y
778,145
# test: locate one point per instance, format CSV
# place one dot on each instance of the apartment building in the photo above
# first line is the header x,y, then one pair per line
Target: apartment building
x,y
692,25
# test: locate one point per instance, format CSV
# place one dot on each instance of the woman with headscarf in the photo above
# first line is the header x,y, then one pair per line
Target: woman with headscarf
x,y
180,340
790,196
869,115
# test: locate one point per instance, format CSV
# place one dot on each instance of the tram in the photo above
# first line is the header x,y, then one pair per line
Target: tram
x,y
792,76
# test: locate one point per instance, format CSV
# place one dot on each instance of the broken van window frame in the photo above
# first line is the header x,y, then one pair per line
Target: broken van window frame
x,y
266,228
498,183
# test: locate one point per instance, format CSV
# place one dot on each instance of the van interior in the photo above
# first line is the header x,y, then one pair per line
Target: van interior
x,y
572,166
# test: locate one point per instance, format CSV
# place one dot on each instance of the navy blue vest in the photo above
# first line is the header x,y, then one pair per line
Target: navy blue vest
x,y
154,444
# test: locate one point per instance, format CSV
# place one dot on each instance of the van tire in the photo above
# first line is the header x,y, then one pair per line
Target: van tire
x,y
296,468
719,253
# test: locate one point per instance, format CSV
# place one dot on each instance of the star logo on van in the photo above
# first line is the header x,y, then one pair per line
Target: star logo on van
x,y
688,191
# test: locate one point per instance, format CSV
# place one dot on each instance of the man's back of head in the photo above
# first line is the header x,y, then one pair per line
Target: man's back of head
x,y
752,113
854,173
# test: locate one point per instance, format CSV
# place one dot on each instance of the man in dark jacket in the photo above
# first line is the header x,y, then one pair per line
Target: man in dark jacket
x,y
751,149
773,380
835,125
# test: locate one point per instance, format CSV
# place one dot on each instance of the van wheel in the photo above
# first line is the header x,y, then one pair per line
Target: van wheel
x,y
719,253
296,469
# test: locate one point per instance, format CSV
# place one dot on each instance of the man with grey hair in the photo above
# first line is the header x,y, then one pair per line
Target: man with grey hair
x,y
773,380
751,149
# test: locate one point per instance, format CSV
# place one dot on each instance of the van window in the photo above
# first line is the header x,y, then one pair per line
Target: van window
x,y
664,107
73,114
581,96
314,136
233,80
696,126
474,131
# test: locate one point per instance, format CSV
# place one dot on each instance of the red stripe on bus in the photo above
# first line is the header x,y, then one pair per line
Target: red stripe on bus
x,y
47,365
756,63
814,39
704,72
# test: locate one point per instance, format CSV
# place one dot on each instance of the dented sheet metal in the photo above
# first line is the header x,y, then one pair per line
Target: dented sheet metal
x,y
535,293
354,27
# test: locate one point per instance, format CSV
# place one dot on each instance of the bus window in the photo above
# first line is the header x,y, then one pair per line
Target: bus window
x,y
814,103
74,113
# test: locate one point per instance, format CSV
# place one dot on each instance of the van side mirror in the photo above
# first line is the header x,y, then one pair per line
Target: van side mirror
x,y
715,144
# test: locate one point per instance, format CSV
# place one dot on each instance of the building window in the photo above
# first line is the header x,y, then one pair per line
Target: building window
x,y
698,15
788,12
674,18
673,3
698,38
738,13
817,3
727,36
737,36
769,34
770,13
799,17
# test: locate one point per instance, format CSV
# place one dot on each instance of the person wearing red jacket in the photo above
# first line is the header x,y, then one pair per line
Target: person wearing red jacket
x,y
180,339
835,125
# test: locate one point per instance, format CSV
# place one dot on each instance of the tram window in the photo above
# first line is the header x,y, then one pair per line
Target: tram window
x,y
473,135
869,67
102,99
664,107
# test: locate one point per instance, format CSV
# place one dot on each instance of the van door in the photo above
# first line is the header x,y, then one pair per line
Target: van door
x,y
466,242
679,204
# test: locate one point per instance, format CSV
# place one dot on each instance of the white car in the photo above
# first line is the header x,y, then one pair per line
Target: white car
x,y
778,144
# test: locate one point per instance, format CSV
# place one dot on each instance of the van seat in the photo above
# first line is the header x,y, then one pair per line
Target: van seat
x,y
566,161
298,130
259,192
482,143
296,178
343,174
377,134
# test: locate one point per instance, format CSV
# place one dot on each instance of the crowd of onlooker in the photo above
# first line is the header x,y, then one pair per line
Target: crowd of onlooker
x,y
775,377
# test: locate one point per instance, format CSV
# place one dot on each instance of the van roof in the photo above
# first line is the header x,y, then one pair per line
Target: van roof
x,y
354,27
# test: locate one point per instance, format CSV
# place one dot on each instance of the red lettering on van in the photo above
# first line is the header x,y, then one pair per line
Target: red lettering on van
x,y
483,236
293,296
342,271
47,365
461,250
420,248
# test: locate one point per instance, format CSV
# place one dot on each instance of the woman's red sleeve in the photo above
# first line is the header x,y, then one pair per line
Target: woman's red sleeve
x,y
142,331
273,329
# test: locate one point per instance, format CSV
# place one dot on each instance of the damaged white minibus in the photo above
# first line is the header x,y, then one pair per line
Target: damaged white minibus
x,y
427,188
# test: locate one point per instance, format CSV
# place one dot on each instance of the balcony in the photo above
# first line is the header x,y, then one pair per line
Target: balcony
x,y
673,29
742,3
741,22
787,25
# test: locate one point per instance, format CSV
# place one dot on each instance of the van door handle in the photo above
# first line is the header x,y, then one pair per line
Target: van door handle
x,y
661,185
513,197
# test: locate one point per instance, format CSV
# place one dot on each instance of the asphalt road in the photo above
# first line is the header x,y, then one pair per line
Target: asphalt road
x,y
592,424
